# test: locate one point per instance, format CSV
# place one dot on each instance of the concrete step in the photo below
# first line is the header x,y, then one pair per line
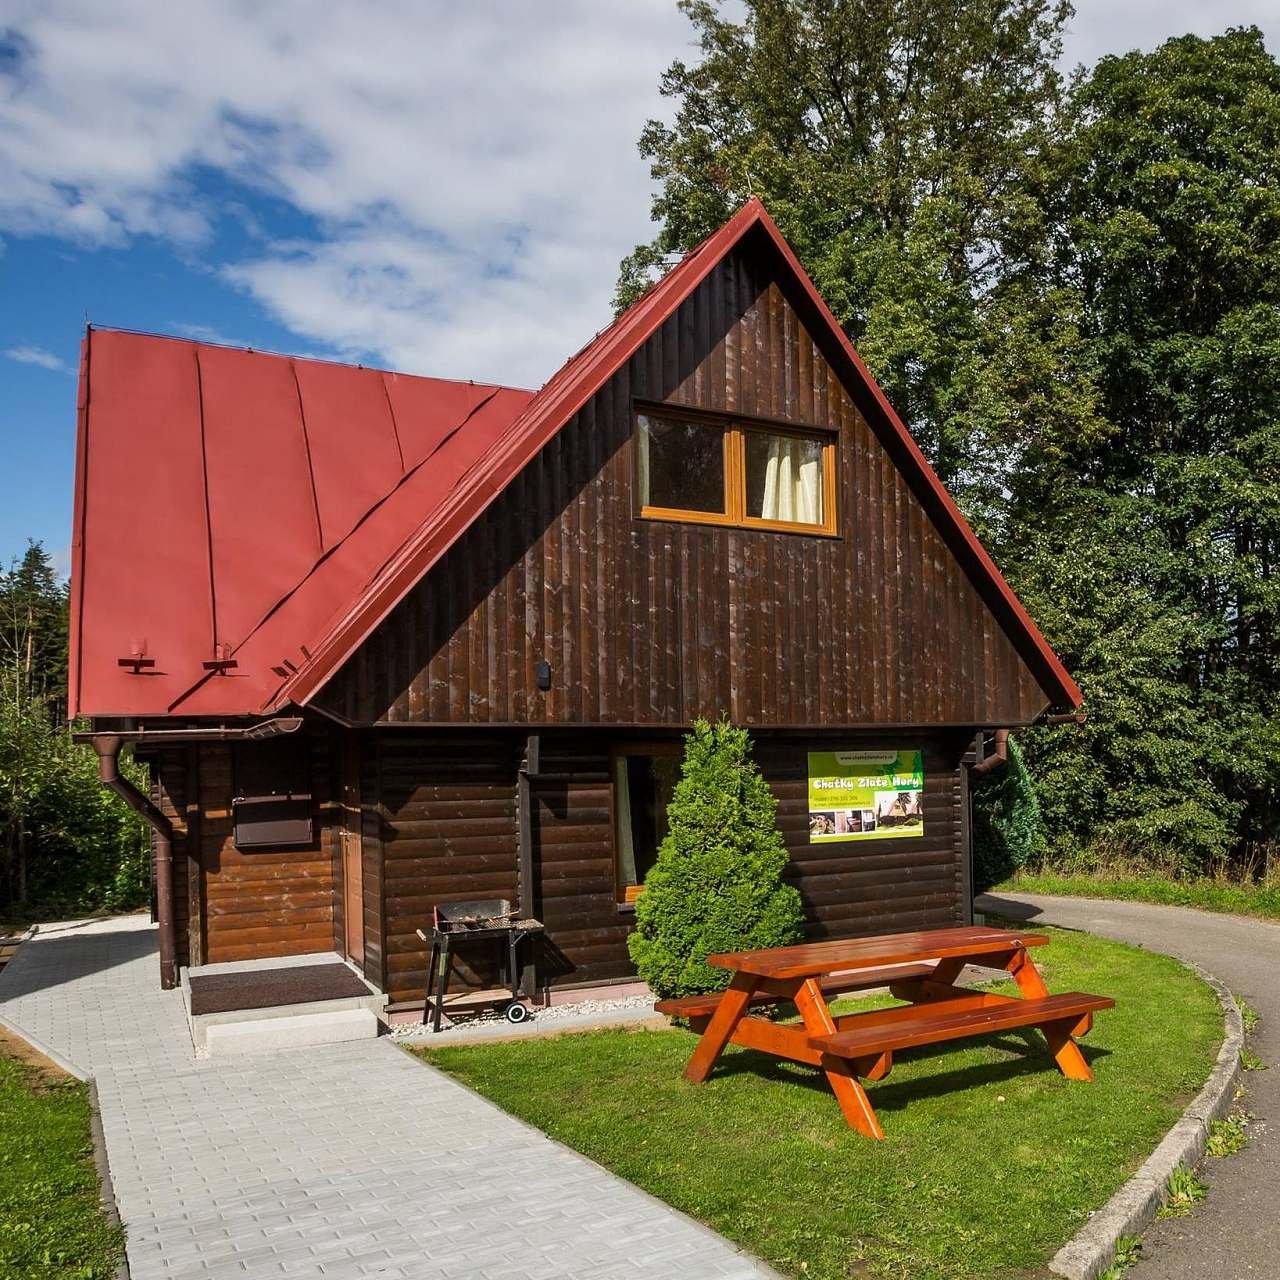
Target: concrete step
x,y
308,1022
289,1031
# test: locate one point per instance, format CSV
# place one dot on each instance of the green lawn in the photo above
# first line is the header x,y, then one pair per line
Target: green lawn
x,y
51,1222
1208,894
991,1162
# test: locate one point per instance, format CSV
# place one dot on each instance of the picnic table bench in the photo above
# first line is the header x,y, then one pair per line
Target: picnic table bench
x,y
921,968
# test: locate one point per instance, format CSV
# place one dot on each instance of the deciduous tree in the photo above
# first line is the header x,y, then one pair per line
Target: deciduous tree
x,y
901,147
1151,553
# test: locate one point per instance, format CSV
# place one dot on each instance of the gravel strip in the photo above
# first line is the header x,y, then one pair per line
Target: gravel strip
x,y
489,1024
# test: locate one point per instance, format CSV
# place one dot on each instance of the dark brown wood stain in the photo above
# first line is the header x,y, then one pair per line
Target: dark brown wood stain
x,y
877,636
655,622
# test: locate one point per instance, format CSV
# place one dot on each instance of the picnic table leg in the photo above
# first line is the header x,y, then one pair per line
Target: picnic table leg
x,y
852,1097
1024,972
1066,1053
947,970
733,1004
1057,1035
844,1082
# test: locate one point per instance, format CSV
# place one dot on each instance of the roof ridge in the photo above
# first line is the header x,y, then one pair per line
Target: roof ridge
x,y
293,355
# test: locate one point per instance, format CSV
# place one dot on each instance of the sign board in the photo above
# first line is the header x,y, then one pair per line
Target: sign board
x,y
865,795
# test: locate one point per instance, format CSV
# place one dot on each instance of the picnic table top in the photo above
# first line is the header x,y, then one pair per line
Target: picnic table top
x,y
808,959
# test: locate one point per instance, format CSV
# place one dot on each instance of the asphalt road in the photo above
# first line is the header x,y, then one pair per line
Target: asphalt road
x,y
1234,1234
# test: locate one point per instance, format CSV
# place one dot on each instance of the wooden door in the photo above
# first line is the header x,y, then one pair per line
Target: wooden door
x,y
352,852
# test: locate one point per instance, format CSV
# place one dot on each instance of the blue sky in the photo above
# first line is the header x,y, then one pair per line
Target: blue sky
x,y
49,285
445,189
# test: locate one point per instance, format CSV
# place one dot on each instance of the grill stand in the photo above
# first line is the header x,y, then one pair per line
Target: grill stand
x,y
472,921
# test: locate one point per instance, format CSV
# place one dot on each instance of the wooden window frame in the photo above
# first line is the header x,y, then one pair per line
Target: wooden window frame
x,y
626,894
736,429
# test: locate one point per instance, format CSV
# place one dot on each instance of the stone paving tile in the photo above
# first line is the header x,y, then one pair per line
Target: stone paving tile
x,y
346,1161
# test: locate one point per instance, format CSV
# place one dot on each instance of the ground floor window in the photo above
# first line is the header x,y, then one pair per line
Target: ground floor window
x,y
644,780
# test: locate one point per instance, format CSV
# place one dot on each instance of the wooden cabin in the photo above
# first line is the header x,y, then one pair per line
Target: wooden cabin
x,y
389,641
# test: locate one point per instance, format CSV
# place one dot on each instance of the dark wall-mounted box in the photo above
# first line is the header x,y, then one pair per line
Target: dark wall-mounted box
x,y
272,807
265,821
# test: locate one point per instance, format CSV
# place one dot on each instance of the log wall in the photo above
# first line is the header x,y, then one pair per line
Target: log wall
x,y
247,903
440,822
446,830
449,830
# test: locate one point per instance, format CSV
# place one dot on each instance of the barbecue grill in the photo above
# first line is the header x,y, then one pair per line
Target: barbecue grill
x,y
491,919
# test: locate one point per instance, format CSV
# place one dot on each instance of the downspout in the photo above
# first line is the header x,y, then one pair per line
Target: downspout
x,y
998,757
108,745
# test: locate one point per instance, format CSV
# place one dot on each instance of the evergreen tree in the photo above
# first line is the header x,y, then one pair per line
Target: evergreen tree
x,y
717,882
1008,829
65,843
33,628
32,654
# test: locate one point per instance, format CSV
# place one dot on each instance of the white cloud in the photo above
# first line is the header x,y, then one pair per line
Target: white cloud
x,y
27,354
470,170
467,173
1117,26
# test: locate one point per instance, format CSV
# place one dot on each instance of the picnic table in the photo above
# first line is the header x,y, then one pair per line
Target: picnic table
x,y
921,968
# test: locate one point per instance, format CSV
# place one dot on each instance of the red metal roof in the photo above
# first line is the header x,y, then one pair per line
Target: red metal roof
x,y
274,510
227,501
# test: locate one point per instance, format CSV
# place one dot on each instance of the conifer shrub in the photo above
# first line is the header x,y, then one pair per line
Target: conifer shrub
x,y
717,882
1008,827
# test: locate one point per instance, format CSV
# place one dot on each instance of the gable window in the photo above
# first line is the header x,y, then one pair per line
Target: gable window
x,y
682,465
727,471
644,780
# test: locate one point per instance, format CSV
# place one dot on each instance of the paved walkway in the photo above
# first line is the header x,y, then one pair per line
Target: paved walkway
x,y
1235,1233
346,1161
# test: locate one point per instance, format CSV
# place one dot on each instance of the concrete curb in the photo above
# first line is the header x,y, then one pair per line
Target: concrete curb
x,y
40,1047
1135,1205
106,1193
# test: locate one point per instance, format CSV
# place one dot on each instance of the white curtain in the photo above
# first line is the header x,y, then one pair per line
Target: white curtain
x,y
793,481
642,460
622,804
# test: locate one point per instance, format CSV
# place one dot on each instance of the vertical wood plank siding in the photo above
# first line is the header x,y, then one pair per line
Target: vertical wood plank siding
x,y
654,623
813,642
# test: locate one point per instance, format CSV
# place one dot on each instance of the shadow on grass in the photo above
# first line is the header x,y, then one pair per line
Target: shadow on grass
x,y
889,1095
